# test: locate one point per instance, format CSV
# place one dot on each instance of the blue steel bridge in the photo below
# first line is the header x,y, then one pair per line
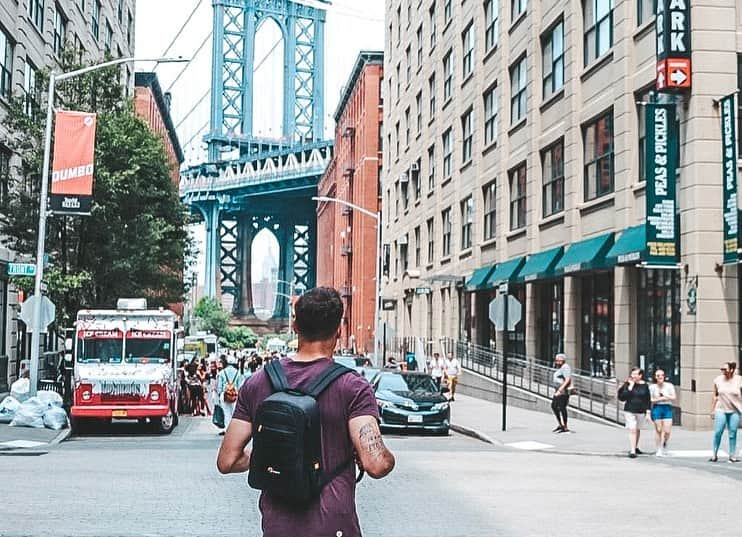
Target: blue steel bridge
x,y
265,184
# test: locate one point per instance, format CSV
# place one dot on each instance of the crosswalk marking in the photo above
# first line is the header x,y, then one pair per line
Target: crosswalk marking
x,y
22,444
529,445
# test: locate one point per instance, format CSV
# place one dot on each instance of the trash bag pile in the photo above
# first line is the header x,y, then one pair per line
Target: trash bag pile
x,y
43,410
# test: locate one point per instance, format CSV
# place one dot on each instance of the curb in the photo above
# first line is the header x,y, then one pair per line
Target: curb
x,y
473,433
63,435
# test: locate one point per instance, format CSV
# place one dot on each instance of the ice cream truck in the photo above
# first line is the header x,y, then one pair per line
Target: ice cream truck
x,y
125,365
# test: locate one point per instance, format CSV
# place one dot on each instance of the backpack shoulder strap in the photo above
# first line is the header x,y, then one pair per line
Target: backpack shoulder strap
x,y
328,376
276,376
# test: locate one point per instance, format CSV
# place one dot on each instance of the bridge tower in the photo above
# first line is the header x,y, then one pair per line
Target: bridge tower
x,y
251,183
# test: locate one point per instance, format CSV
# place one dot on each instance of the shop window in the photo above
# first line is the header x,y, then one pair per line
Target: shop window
x,y
658,322
597,325
517,337
550,320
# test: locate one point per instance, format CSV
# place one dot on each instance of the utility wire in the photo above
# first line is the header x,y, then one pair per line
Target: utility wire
x,y
190,61
197,133
180,32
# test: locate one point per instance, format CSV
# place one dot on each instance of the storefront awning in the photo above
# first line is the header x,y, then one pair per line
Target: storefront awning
x,y
540,266
630,247
585,255
504,272
478,278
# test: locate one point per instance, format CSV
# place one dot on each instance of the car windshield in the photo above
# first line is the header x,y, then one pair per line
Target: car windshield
x,y
147,348
347,361
407,383
99,347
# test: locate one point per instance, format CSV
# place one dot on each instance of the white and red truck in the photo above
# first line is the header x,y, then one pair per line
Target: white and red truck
x,y
125,365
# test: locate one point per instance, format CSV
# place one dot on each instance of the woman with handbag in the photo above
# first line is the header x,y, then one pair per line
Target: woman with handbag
x,y
637,402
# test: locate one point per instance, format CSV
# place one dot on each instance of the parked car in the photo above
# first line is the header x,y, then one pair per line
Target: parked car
x,y
411,401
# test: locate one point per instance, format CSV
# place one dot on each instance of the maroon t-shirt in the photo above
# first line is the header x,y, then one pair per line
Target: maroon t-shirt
x,y
350,396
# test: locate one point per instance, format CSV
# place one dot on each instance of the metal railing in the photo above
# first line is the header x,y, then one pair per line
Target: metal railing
x,y
594,395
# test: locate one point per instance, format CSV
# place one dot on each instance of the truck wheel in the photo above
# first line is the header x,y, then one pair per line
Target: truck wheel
x,y
166,424
79,425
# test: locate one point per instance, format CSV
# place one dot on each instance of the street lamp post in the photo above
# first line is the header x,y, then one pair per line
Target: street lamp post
x,y
377,217
41,239
290,297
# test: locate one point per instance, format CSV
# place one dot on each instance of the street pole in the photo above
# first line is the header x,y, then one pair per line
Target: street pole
x,y
505,367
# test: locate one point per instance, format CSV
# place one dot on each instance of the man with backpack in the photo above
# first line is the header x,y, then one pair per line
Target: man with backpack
x,y
228,384
311,421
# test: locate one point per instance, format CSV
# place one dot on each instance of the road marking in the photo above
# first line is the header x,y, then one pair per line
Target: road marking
x,y
529,445
694,453
22,444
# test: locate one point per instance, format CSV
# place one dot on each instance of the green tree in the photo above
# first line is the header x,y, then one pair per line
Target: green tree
x,y
135,242
211,316
238,337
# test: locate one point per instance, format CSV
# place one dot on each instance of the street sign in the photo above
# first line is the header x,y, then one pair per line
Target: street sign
x,y
497,312
673,31
48,311
422,290
21,269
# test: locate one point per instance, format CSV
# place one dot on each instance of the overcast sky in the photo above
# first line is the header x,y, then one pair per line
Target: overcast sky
x,y
352,26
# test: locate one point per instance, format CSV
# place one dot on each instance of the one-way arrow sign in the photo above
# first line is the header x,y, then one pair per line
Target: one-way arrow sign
x,y
678,77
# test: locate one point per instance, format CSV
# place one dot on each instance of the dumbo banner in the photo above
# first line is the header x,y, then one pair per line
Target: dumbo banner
x,y
73,165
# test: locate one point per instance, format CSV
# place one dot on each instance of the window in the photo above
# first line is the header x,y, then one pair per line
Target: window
x,y
399,78
518,7
447,225
645,10
396,132
403,243
431,168
552,169
82,5
518,85
4,175
598,142
420,46
120,11
409,64
419,109
467,220
550,319
416,180
467,128
447,154
597,324
431,90
518,197
598,16
433,25
467,39
490,116
399,24
447,12
404,187
109,37
490,210
491,23
447,76
552,47
407,127
431,239
6,60
36,12
95,23
60,31
418,247
30,101
409,13
129,29
641,115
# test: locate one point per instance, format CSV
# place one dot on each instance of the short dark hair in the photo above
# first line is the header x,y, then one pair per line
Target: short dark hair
x,y
318,313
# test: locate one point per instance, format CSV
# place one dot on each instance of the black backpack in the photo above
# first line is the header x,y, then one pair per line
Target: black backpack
x,y
286,459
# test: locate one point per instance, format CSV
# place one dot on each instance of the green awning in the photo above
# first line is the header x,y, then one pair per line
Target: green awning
x,y
504,272
630,247
478,278
540,266
585,255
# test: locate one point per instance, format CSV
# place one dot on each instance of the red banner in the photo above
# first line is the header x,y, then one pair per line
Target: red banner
x,y
74,163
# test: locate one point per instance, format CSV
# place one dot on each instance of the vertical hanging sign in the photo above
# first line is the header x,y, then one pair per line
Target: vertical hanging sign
x,y
73,165
729,176
662,143
672,26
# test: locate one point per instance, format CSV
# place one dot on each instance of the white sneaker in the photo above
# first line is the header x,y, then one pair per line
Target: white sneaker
x,y
660,452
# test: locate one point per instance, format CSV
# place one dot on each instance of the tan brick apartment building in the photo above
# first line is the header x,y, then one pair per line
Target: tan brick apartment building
x,y
514,152
346,239
32,33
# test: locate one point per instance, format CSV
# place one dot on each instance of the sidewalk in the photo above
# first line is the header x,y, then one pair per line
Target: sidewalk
x,y
25,440
531,430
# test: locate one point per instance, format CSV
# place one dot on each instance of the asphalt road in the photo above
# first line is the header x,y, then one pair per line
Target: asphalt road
x,y
128,482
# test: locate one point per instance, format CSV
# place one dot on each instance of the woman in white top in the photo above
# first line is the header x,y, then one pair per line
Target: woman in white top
x,y
662,394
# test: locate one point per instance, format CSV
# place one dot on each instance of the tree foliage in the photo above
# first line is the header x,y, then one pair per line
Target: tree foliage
x,y
211,316
238,337
135,243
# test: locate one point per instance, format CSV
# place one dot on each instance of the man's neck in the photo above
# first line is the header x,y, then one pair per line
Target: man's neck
x,y
309,351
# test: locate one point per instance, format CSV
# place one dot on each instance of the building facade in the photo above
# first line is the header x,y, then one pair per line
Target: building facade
x,y
515,153
32,35
346,244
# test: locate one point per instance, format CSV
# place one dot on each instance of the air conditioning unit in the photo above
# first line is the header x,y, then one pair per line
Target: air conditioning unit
x,y
414,167
403,239
348,130
404,178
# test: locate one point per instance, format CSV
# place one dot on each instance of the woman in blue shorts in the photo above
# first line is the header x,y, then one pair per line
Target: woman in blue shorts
x,y
663,396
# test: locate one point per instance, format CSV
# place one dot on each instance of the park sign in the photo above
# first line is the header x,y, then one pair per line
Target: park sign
x,y
661,159
729,176
74,163
672,25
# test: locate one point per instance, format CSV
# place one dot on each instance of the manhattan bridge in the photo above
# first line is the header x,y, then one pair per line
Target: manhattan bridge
x,y
265,184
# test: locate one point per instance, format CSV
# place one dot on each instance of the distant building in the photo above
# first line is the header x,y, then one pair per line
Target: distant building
x,y
346,244
33,34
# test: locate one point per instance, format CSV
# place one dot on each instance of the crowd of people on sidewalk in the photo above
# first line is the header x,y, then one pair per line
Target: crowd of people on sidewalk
x,y
644,402
445,371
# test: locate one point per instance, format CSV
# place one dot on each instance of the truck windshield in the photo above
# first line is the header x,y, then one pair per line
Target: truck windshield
x,y
147,347
100,347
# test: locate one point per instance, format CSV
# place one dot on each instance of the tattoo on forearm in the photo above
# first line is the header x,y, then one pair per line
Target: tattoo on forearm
x,y
371,441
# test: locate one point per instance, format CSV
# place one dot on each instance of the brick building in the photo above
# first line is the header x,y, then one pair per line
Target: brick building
x,y
346,247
